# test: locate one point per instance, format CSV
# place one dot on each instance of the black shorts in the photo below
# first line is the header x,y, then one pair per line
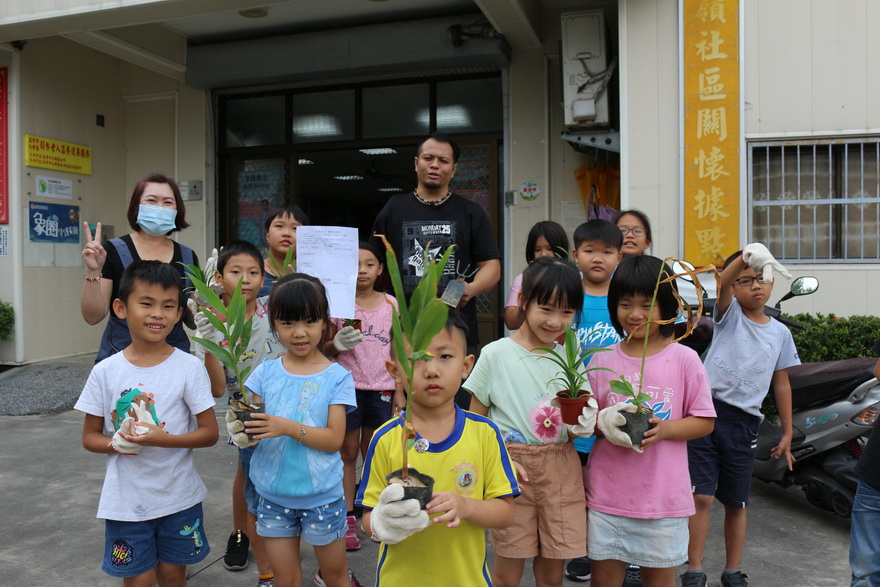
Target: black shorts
x,y
373,409
721,464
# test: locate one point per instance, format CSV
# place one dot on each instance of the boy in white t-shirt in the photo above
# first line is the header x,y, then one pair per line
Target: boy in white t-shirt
x,y
146,408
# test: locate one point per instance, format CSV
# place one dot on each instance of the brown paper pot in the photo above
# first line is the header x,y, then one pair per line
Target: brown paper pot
x,y
422,494
637,424
245,415
571,408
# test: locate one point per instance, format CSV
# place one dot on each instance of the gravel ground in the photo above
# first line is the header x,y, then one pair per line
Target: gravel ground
x,y
44,388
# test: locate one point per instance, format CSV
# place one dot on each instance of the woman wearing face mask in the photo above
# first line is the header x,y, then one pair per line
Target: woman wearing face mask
x,y
155,211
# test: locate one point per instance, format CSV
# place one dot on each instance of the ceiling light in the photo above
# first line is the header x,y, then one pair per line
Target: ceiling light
x,y
316,125
306,162
455,115
390,190
379,151
348,177
259,12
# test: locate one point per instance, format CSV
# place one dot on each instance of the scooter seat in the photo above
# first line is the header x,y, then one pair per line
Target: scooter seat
x,y
817,383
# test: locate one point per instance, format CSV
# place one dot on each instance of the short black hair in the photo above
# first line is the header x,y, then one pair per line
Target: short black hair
x,y
731,259
638,275
298,296
369,247
555,235
151,273
598,230
548,280
442,138
454,321
291,210
239,247
643,218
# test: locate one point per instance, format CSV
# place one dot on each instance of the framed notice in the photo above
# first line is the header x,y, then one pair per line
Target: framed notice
x,y
57,155
53,223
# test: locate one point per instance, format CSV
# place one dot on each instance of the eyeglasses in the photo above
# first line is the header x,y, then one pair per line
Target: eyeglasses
x,y
748,281
637,231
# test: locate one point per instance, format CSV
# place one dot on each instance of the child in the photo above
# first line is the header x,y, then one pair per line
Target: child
x,y
152,495
474,479
281,236
639,496
597,251
510,384
749,352
374,386
296,467
546,239
241,262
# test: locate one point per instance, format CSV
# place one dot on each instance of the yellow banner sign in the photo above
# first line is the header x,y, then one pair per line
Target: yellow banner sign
x,y
57,155
711,129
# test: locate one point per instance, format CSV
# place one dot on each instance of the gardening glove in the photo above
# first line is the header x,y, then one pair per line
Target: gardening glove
x,y
610,420
586,425
235,428
210,272
394,518
204,328
120,444
347,338
759,258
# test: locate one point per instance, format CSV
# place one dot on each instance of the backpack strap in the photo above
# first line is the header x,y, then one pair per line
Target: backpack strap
x,y
123,251
186,254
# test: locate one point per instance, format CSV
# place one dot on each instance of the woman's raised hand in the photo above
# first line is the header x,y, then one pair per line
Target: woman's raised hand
x,y
94,253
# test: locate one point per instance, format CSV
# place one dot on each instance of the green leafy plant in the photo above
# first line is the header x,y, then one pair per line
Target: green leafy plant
x,y
286,265
230,322
7,320
414,325
572,374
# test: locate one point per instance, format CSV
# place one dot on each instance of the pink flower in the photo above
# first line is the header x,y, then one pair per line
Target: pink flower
x,y
546,423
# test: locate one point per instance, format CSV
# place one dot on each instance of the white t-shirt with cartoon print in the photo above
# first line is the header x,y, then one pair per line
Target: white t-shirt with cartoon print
x,y
158,481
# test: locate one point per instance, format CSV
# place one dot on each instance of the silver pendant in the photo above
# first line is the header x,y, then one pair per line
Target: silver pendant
x,y
421,445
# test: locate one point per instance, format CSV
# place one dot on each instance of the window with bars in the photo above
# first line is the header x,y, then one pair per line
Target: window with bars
x,y
816,201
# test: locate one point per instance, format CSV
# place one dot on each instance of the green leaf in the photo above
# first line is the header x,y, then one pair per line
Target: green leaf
x,y
431,321
410,442
397,284
621,387
244,374
421,355
222,354
216,322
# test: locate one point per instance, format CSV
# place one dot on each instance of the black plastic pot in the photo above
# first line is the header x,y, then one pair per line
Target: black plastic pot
x,y
637,424
422,494
245,415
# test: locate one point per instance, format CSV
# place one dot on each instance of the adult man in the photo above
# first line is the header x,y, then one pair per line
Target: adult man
x,y
432,214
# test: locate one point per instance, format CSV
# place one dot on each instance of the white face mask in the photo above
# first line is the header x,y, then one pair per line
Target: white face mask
x,y
156,221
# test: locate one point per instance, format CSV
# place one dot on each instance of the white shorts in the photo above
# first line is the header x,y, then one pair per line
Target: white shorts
x,y
655,544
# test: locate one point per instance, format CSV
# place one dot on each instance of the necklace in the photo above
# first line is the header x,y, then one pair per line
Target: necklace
x,y
434,203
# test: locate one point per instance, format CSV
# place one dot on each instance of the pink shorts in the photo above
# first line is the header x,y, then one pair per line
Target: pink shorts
x,y
550,515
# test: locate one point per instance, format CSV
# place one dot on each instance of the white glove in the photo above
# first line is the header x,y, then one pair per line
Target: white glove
x,y
610,420
586,425
123,446
235,428
394,518
347,338
759,258
209,271
204,328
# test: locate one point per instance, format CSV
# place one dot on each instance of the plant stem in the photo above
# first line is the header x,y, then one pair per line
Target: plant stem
x,y
648,334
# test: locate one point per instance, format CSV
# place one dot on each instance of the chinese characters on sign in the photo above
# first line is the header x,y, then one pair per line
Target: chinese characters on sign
x,y
711,129
57,155
53,223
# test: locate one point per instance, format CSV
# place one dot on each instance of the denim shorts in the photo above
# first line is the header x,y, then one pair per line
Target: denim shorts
x,y
656,544
133,548
251,497
721,463
373,409
318,526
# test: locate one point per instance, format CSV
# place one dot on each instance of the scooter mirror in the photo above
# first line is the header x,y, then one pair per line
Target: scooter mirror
x,y
681,267
804,285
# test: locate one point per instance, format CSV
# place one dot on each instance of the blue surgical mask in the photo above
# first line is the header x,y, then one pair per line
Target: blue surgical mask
x,y
156,221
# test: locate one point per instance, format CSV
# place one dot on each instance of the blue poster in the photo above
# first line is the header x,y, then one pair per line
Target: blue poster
x,y
53,223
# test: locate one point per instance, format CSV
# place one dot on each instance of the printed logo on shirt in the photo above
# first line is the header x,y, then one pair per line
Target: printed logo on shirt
x,y
601,334
122,554
465,478
434,237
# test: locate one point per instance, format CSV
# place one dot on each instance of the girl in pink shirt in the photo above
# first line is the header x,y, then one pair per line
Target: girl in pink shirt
x,y
639,497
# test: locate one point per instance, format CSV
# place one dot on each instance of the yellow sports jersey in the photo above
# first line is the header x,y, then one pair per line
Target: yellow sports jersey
x,y
472,462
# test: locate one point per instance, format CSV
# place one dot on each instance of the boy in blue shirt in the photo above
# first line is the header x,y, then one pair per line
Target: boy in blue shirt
x,y
146,408
597,252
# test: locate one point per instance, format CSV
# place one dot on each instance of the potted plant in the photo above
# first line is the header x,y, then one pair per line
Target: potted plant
x,y
353,322
572,375
414,325
230,321
637,423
